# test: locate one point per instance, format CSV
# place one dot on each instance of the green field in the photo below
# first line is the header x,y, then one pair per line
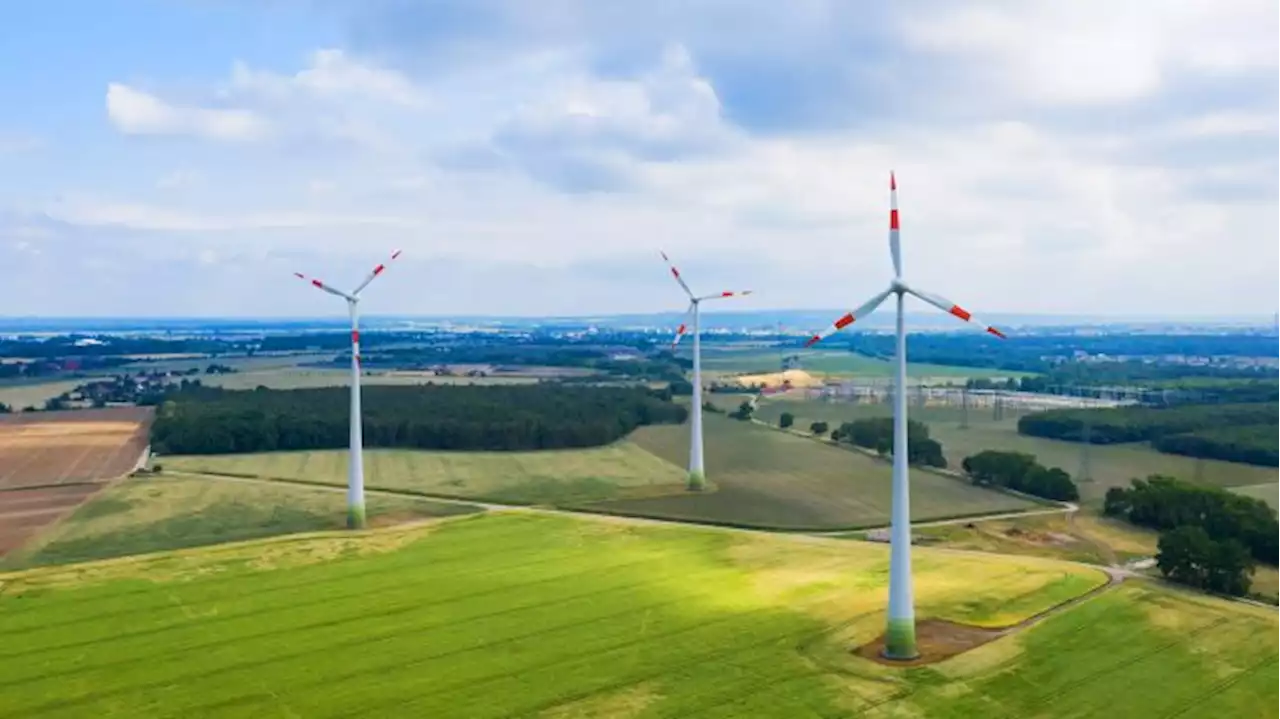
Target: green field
x,y
760,478
20,396
307,378
1266,492
154,513
835,363
546,477
1110,465
526,615
778,480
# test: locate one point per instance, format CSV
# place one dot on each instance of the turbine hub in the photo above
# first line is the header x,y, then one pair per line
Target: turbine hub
x,y
897,286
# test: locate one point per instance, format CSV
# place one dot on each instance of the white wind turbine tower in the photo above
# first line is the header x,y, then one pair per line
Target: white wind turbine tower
x,y
697,472
900,634
355,467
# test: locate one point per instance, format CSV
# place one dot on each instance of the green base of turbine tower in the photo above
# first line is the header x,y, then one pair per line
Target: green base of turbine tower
x,y
697,482
355,517
900,640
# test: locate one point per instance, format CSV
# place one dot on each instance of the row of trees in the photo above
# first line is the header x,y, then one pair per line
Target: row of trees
x,y
877,433
1251,444
1166,503
1020,472
1188,555
1233,432
204,420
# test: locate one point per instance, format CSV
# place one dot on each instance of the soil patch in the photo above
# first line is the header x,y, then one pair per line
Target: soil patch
x,y
936,639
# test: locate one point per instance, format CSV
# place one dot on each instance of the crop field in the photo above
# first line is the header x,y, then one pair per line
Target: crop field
x,y
525,615
1110,465
572,476
24,513
1266,492
150,513
21,396
306,378
835,363
774,479
44,448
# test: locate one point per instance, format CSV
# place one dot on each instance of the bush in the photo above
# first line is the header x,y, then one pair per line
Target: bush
x,y
819,428
786,420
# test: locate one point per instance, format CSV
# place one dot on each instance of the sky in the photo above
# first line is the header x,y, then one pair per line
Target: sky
x,y
185,157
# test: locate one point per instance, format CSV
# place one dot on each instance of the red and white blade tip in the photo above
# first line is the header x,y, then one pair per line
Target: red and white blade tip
x,y
965,315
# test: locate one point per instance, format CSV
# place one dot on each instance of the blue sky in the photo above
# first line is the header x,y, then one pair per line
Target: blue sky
x,y
184,158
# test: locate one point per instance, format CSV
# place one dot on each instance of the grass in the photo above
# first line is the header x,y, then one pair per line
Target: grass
x,y
836,363
1266,492
153,514
779,480
20,396
524,615
1110,465
565,477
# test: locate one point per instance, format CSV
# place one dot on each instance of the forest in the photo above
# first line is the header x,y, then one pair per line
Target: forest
x,y
1166,503
207,420
1232,432
877,433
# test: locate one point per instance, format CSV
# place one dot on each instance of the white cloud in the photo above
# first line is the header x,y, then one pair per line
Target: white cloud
x,y
542,165
136,112
332,75
1061,53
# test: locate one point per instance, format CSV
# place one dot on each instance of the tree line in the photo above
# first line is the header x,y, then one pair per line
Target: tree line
x,y
1020,472
1232,432
1209,538
208,420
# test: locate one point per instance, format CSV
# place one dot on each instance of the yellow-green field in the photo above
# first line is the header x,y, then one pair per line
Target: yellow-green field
x,y
152,513
550,476
1110,465
775,479
525,615
759,478
1266,492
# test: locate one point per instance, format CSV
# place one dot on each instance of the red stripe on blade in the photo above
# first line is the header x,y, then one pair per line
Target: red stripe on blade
x,y
355,336
959,311
813,340
318,283
893,219
378,270
680,330
844,321
675,273
997,333
726,294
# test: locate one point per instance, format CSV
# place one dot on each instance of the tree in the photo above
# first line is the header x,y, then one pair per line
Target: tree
x,y
1020,472
1188,555
818,428
5,409
786,420
744,411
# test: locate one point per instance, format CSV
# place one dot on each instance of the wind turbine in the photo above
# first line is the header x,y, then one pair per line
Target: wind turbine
x,y
697,473
355,467
900,634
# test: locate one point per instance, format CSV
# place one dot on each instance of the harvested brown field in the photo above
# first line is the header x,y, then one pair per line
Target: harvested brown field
x,y
24,512
47,448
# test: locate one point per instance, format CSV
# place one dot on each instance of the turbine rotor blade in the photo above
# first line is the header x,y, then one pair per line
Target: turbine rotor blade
x,y
676,274
723,295
950,307
895,242
684,325
376,271
322,286
849,318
